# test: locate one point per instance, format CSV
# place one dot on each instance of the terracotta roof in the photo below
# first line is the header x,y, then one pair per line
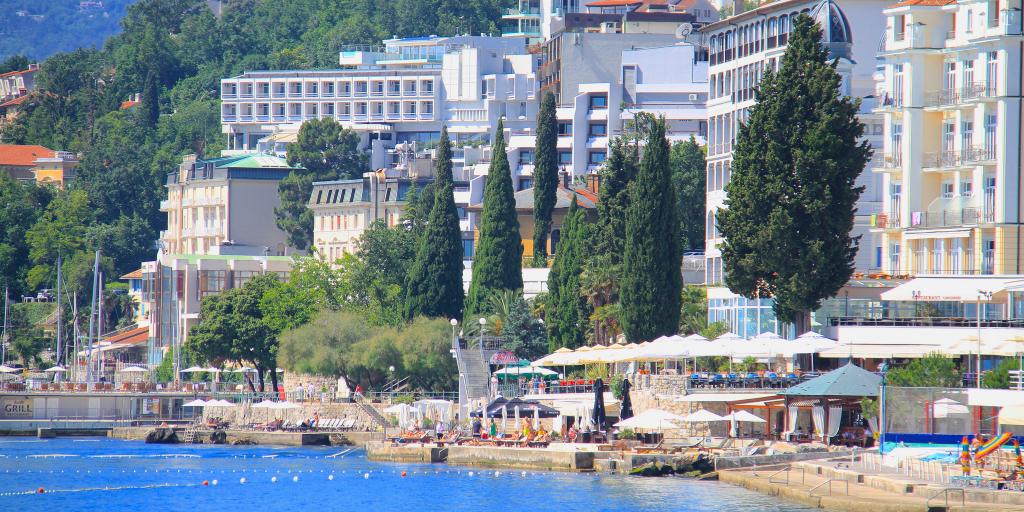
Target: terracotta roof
x,y
127,104
23,156
129,338
613,3
135,274
16,101
923,3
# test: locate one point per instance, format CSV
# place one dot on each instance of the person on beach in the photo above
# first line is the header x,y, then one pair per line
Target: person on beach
x,y
477,427
493,430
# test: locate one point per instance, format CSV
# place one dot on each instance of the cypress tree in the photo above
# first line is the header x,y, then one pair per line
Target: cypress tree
x,y
792,197
499,254
652,275
435,280
545,178
570,312
613,198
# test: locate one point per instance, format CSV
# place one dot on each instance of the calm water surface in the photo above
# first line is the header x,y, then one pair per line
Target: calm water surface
x,y
108,475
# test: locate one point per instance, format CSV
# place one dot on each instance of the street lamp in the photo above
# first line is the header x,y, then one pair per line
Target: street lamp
x,y
987,296
455,323
483,322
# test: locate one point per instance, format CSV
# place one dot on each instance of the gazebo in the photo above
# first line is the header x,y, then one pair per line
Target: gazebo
x,y
827,395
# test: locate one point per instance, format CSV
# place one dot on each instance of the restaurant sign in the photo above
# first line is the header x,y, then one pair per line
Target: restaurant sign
x,y
17,407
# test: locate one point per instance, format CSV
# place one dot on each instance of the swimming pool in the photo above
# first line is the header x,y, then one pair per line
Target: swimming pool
x,y
104,474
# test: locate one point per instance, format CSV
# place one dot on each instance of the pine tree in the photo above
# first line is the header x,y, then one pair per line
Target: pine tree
x,y
545,178
792,195
570,311
652,276
618,172
498,262
435,280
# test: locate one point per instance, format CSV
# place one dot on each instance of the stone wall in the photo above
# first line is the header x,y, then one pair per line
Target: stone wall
x,y
663,391
244,414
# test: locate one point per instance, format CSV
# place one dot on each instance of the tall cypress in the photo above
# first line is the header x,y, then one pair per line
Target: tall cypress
x,y
613,198
545,178
499,254
792,196
570,314
652,274
435,280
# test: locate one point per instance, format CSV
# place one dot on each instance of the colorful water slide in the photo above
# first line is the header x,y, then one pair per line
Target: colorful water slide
x,y
992,445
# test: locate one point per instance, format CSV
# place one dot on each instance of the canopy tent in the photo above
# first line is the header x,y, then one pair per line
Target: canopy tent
x,y
947,407
531,408
651,419
266,404
848,381
405,413
702,416
56,369
1012,415
562,357
528,373
195,403
493,409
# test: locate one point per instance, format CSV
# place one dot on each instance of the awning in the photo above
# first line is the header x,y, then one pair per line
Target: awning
x,y
723,397
951,289
1011,415
886,351
120,341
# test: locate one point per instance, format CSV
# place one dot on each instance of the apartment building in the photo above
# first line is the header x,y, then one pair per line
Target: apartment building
x,y
224,206
601,81
540,20
951,99
401,91
741,48
15,87
38,163
344,209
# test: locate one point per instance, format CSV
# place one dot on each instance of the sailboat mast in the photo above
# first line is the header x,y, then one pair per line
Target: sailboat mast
x,y
92,318
3,340
59,346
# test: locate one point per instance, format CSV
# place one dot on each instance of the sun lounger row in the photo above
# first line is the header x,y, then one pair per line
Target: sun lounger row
x,y
336,424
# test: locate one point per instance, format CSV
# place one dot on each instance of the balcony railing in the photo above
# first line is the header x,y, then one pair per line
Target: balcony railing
x,y
971,92
988,262
884,162
946,159
889,220
945,218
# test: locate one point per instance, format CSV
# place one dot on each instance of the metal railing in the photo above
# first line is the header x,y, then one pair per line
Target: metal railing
x,y
945,494
787,471
827,484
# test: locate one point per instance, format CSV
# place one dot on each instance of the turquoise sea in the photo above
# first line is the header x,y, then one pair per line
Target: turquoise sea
x,y
109,475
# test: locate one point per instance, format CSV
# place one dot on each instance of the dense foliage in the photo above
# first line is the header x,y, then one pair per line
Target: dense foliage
x,y
651,276
792,195
40,29
569,311
689,176
931,371
498,262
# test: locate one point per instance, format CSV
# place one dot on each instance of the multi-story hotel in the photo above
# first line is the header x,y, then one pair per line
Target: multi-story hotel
x,y
219,205
540,20
403,91
951,97
741,48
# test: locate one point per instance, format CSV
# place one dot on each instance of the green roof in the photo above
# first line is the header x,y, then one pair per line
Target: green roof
x,y
850,380
249,161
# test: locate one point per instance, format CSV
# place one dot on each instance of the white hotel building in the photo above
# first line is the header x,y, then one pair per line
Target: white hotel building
x,y
402,91
741,47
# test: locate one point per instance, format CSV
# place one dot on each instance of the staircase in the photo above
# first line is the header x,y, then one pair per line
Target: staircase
x,y
190,435
371,411
474,373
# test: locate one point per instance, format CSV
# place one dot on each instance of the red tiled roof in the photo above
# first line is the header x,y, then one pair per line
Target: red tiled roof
x,y
16,101
127,104
613,3
131,337
134,274
923,3
23,156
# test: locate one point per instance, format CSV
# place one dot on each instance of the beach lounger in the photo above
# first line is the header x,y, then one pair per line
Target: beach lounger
x,y
349,424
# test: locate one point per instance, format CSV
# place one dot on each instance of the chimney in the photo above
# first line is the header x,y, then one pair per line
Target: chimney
x,y
737,7
594,183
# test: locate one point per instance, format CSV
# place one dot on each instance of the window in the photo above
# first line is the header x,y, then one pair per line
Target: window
x,y
525,156
948,129
525,183
950,76
966,189
596,157
211,281
992,80
899,28
993,13
467,249
947,190
897,85
969,22
598,130
565,157
966,135
598,102
240,277
564,128
330,88
968,74
991,120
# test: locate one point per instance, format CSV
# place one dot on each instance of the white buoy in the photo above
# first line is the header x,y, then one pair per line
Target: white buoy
x,y
470,473
366,476
273,479
295,478
524,473
330,477
497,473
241,480
214,481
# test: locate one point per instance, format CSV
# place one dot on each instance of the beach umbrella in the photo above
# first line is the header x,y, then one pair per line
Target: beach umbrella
x,y
285,405
219,403
626,409
266,404
504,357
516,423
600,422
192,369
651,419
56,369
210,370
965,452
8,369
946,407
704,416
244,369
504,419
134,369
1016,451
745,417
195,403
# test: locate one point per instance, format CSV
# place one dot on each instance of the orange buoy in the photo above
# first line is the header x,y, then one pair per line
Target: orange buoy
x,y
403,474
206,482
41,490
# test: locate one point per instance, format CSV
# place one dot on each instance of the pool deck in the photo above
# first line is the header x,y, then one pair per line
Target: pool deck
x,y
840,486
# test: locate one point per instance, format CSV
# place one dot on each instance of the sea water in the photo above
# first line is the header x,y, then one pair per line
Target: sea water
x,y
88,474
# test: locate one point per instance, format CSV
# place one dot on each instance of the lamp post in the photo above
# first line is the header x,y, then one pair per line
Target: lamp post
x,y
987,296
455,323
483,321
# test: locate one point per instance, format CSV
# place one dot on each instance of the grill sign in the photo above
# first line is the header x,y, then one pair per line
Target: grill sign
x,y
17,407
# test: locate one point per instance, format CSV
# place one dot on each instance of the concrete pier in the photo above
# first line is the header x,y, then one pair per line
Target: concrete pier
x,y
247,437
387,452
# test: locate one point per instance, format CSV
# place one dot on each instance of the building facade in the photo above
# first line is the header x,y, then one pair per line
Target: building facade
x,y
38,163
951,99
221,205
741,48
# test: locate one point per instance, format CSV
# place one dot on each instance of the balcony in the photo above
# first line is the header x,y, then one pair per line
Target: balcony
x,y
887,221
166,205
520,13
469,115
229,118
295,94
280,94
394,92
886,162
228,95
426,115
960,96
377,92
410,92
944,160
359,94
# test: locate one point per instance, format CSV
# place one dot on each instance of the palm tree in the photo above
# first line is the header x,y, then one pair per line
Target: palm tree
x,y
599,284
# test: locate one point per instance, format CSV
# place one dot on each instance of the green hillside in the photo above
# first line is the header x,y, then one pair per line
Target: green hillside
x,y
40,29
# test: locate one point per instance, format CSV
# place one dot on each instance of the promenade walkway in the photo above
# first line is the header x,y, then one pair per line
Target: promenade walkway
x,y
839,485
